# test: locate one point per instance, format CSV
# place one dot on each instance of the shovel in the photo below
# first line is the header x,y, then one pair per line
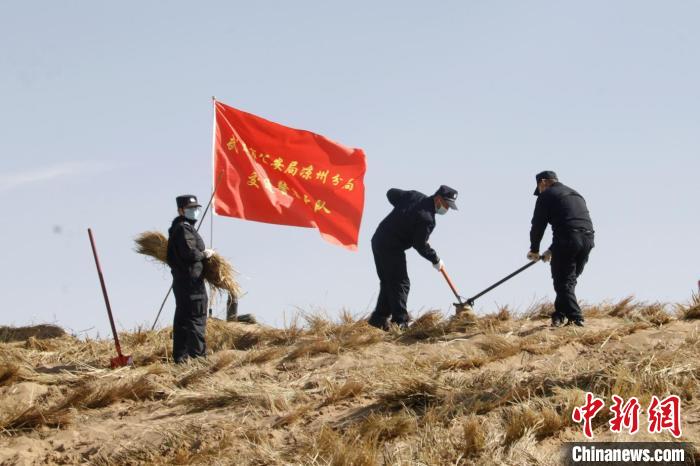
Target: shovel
x,y
471,300
460,305
120,360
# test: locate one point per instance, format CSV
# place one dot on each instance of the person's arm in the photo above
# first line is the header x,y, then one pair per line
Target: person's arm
x,y
420,242
394,195
186,246
540,218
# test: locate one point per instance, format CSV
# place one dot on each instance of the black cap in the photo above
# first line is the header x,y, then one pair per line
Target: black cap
x,y
187,200
545,175
449,195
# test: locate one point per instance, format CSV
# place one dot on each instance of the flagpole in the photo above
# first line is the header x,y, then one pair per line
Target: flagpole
x,y
211,200
211,217
213,142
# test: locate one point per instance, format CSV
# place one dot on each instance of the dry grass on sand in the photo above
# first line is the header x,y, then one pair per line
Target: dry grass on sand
x,y
494,389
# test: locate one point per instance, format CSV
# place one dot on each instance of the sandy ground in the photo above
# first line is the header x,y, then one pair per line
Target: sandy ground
x,y
500,391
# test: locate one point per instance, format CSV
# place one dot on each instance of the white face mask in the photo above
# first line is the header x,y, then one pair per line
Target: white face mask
x,y
441,210
192,213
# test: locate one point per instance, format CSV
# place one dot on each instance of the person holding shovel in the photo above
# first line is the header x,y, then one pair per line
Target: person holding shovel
x,y
573,238
186,256
409,225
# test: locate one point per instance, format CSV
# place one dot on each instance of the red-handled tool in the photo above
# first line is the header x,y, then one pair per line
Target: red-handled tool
x,y
120,360
460,305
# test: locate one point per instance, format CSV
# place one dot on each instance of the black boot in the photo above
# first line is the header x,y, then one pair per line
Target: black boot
x,y
557,320
377,322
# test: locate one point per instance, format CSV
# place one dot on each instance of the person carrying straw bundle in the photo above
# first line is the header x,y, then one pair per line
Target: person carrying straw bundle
x,y
186,255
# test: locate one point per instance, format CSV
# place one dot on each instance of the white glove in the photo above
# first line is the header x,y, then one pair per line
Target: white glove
x,y
547,256
208,253
533,256
439,265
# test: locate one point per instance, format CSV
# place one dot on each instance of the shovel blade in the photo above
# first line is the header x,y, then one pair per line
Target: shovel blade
x,y
461,308
121,361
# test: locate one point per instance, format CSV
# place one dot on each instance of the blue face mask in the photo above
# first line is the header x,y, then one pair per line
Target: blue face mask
x,y
441,210
192,213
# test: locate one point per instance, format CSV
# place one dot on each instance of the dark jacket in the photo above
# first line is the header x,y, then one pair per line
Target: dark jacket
x,y
564,209
186,253
409,225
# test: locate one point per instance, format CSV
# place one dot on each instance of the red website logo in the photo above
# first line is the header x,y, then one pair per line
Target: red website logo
x,y
662,415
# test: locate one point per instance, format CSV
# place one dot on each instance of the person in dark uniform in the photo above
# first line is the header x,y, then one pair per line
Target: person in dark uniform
x,y
573,238
409,225
186,257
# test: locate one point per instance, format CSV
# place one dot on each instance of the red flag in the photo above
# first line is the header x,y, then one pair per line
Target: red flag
x,y
275,174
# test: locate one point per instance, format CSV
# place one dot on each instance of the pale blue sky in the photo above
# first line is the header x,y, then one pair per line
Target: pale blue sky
x,y
106,116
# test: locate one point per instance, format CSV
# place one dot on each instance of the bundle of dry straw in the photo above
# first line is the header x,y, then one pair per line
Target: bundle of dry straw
x,y
217,271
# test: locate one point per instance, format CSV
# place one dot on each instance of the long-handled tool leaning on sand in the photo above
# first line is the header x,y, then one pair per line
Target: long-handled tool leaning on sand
x,y
471,300
120,360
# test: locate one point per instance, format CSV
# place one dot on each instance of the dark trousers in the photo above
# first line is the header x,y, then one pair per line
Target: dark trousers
x,y
190,323
231,308
569,257
394,286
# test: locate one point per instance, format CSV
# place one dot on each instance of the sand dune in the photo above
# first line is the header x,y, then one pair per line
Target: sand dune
x,y
498,389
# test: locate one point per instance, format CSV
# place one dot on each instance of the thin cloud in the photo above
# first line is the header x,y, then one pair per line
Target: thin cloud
x,y
9,181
